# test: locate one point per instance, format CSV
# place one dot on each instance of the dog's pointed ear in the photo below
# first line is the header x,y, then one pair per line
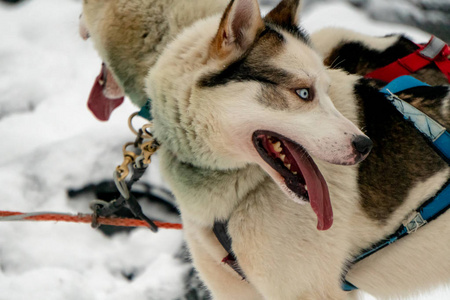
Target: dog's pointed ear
x,y
238,29
285,14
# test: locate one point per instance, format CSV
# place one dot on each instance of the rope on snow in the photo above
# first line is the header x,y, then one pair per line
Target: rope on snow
x,y
81,218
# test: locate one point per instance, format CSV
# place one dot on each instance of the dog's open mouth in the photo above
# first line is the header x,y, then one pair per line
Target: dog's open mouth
x,y
301,175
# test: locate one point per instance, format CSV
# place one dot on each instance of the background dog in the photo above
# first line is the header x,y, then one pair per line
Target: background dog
x,y
129,36
275,241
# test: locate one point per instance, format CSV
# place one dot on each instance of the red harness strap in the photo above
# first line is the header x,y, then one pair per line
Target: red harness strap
x,y
436,51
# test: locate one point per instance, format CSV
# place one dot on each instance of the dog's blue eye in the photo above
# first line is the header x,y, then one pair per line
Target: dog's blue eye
x,y
303,93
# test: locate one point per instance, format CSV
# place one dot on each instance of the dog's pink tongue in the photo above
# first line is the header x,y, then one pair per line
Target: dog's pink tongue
x,y
319,196
105,96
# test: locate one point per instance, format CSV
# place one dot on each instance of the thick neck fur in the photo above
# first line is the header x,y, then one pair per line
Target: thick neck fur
x,y
205,195
178,127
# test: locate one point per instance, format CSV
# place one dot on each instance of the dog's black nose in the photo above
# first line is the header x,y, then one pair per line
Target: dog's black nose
x,y
362,144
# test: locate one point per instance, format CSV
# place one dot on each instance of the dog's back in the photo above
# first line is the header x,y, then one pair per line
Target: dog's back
x,y
402,171
361,54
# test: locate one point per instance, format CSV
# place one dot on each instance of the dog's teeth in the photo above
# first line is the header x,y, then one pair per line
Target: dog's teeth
x,y
277,146
306,187
288,166
282,157
295,173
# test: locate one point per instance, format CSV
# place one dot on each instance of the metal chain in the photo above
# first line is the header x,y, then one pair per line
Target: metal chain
x,y
137,160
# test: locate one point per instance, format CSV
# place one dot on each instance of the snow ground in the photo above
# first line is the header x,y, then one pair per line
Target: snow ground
x,y
51,142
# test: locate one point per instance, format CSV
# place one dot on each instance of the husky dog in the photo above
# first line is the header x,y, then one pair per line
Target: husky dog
x,y
240,103
129,36
242,109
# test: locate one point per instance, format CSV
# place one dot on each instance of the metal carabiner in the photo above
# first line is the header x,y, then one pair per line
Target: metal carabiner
x,y
128,158
121,186
146,133
96,206
148,149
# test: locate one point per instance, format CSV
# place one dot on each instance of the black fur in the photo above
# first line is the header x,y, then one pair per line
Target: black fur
x,y
431,93
357,58
296,31
253,66
248,67
243,70
400,157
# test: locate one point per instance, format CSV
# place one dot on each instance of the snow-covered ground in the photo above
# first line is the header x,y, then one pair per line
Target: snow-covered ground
x,y
50,142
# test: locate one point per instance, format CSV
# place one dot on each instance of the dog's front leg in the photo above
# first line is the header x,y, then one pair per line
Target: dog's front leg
x,y
207,254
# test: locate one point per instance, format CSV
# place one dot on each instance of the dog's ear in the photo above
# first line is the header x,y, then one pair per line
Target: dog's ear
x,y
238,28
285,14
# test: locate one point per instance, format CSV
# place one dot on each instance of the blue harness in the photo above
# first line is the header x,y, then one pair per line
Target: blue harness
x,y
439,138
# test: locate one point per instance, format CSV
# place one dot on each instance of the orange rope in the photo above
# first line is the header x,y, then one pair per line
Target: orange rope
x,y
85,218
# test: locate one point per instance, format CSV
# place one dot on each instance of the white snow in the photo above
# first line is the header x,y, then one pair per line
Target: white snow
x,y
339,14
51,142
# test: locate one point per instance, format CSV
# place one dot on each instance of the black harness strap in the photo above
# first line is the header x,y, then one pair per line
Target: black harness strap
x,y
221,232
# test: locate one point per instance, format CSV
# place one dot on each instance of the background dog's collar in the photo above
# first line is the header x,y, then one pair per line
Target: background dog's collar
x,y
145,110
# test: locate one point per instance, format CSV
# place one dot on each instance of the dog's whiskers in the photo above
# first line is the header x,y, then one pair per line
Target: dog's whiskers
x,y
333,65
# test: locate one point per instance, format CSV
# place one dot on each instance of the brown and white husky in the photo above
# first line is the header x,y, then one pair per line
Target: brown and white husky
x,y
246,115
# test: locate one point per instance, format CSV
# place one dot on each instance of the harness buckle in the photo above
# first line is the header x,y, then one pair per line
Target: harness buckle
x,y
414,222
128,158
434,47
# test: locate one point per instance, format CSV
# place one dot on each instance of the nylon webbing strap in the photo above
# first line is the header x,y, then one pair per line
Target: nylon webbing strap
x,y
439,137
432,130
221,232
429,211
436,51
